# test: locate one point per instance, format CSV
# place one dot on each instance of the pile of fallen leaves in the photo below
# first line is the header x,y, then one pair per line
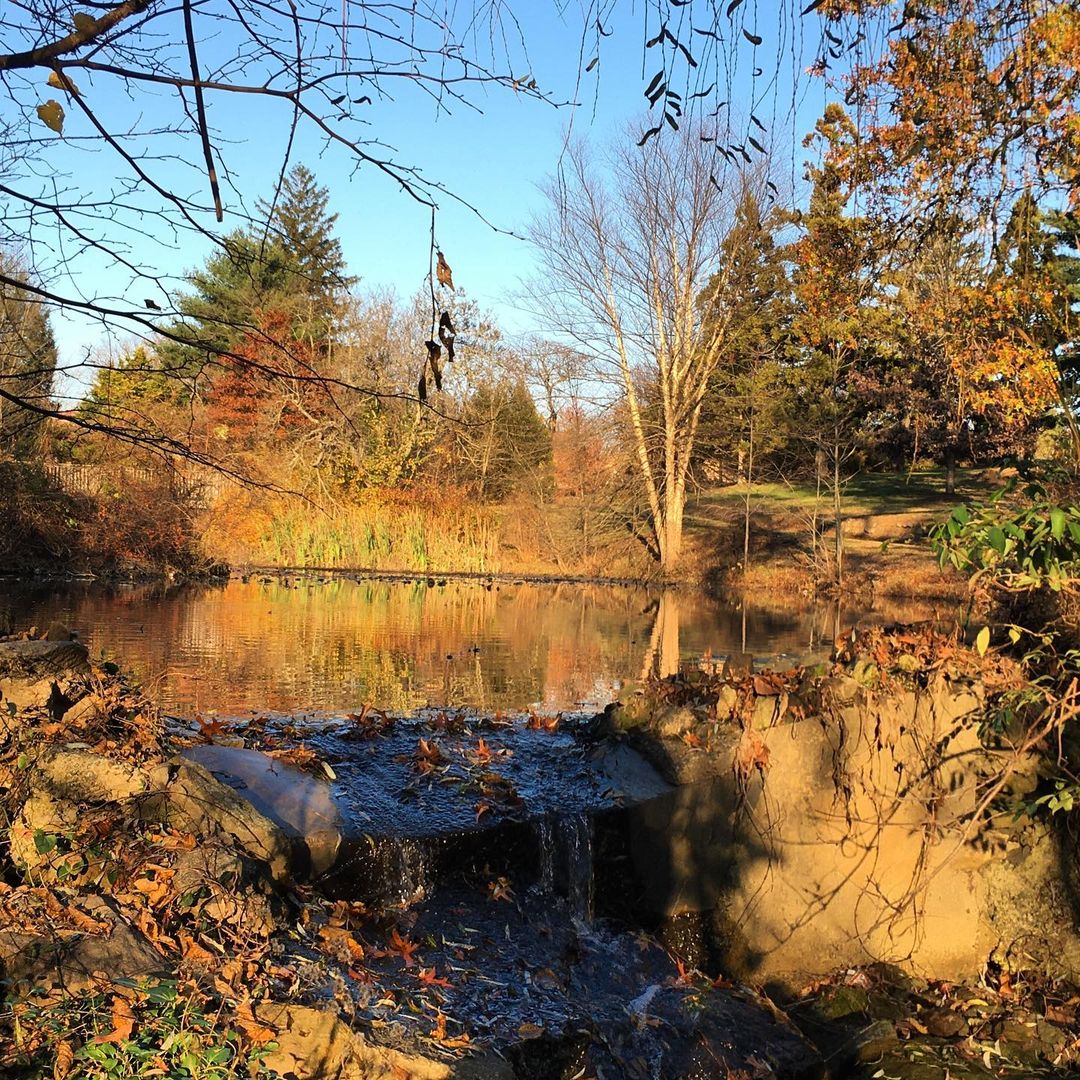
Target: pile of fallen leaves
x,y
903,653
877,1021
219,938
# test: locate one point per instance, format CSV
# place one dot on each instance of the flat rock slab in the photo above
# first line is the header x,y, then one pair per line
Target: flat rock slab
x,y
418,779
42,659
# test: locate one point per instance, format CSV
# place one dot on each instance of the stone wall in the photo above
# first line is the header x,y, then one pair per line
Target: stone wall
x,y
831,824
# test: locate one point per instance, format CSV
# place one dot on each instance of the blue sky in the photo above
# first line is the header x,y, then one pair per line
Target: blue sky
x,y
493,156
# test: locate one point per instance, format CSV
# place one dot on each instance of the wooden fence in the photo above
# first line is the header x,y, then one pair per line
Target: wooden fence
x,y
200,487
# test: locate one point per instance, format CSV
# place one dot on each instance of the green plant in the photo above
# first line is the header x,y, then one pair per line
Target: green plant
x,y
145,1028
1034,547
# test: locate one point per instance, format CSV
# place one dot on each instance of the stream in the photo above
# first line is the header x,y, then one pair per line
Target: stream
x,y
328,643
443,774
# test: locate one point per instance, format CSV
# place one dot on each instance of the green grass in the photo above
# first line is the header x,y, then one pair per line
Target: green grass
x,y
865,494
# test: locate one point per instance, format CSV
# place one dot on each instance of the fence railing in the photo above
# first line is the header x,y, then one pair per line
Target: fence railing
x,y
201,487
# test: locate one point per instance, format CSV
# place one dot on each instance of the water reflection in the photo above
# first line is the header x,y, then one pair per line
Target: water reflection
x,y
335,644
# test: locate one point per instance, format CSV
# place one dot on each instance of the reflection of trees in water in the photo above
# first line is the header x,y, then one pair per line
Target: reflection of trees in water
x,y
340,644
343,643
662,656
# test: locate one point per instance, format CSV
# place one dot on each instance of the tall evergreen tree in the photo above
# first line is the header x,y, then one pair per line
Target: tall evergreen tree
x,y
837,328
302,226
755,291
292,266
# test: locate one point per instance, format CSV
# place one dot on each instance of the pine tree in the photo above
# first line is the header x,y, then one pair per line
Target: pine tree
x,y
304,229
502,439
293,266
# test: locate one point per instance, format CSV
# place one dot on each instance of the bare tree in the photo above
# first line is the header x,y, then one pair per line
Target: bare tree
x,y
632,259
146,87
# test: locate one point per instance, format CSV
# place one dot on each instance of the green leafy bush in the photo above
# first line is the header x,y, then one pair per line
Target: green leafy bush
x,y
1033,547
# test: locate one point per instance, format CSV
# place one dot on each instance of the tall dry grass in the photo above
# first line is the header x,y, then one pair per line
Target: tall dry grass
x,y
245,527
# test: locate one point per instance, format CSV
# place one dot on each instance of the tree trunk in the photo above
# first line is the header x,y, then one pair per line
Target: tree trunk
x,y
746,502
838,515
914,454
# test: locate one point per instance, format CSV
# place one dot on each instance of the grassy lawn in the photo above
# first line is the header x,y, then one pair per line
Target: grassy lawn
x,y
865,494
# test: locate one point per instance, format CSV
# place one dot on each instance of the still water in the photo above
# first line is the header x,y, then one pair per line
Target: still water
x,y
335,644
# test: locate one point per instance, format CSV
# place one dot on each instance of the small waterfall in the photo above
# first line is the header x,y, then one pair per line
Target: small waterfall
x,y
576,836
564,861
413,871
545,845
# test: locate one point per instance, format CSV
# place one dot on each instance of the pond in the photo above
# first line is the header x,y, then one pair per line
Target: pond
x,y
334,643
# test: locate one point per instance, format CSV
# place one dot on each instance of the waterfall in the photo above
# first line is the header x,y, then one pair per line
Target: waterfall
x,y
576,842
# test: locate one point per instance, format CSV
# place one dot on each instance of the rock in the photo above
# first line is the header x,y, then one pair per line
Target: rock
x,y
316,1044
300,804
234,894
840,1001
944,1023
83,776
36,960
33,694
186,796
36,674
672,722
58,631
35,660
872,1042
631,775
739,666
41,815
86,708
635,712
766,710
727,702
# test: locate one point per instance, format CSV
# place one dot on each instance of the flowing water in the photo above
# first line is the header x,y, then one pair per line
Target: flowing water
x,y
335,643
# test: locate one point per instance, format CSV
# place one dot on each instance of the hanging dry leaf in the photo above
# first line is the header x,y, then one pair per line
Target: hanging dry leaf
x,y
51,114
443,271
752,753
59,81
447,334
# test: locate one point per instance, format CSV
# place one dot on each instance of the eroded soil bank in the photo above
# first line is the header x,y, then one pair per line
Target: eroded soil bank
x,y
731,874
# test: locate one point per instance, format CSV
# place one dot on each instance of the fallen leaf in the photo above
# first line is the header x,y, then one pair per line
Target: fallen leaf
x,y
123,1023
429,978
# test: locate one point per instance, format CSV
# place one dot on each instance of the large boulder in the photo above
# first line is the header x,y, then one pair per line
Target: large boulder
x,y
300,804
835,831
112,947
188,797
80,775
36,674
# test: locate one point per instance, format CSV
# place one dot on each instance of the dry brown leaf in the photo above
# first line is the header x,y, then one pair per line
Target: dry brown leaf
x,y
65,1056
249,1024
123,1023
340,944
443,271
194,953
85,923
